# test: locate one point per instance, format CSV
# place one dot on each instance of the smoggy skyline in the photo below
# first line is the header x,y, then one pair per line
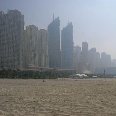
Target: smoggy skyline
x,y
94,21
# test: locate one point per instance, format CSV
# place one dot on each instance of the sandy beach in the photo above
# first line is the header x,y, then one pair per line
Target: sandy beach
x,y
63,97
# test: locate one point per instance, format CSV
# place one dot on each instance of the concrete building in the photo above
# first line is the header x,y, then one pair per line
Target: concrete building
x,y
113,63
98,60
11,38
67,46
105,60
76,59
85,48
92,60
54,44
43,48
84,58
35,47
30,46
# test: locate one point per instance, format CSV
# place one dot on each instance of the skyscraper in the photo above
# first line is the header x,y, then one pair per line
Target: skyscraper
x,y
98,60
92,59
114,63
84,58
43,40
105,60
76,59
11,35
30,46
85,48
54,44
35,46
67,46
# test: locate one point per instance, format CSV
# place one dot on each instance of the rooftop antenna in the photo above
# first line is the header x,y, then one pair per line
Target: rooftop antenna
x,y
53,16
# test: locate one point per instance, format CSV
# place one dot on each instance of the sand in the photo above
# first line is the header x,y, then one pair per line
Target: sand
x,y
64,97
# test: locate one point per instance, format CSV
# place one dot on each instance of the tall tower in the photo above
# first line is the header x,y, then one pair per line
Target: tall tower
x,y
84,58
67,46
54,44
105,60
76,58
30,43
85,48
92,59
43,40
35,47
11,38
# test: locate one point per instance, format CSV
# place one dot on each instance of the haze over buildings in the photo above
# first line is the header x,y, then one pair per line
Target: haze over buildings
x,y
33,47
94,21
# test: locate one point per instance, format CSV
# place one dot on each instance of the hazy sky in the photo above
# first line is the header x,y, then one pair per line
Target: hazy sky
x,y
94,21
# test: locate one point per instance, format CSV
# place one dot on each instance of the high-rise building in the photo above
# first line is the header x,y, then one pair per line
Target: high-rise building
x,y
84,58
92,59
54,44
108,60
98,60
31,51
11,38
113,63
76,59
43,48
105,60
85,48
67,46
35,47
